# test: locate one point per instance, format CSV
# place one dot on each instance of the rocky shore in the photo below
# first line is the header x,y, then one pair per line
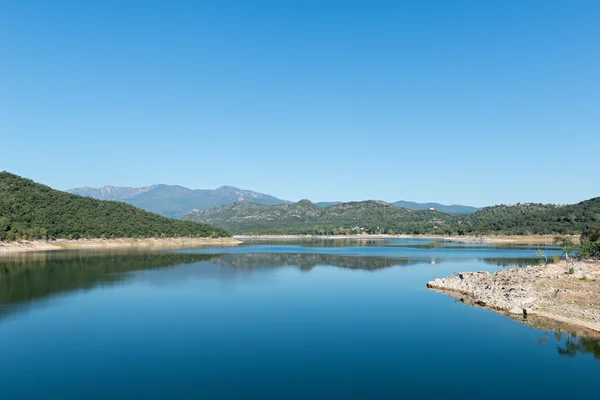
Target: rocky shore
x,y
566,291
126,243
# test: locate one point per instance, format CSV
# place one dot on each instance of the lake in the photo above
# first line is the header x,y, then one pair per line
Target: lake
x,y
285,320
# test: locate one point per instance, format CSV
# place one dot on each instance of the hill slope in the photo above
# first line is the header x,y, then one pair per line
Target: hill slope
x,y
451,209
31,210
534,218
306,217
174,201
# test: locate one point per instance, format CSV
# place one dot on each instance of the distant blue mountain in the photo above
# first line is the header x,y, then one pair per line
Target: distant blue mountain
x,y
174,201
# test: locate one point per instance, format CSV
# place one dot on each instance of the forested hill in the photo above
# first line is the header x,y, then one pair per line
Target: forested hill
x,y
306,217
29,210
448,209
533,218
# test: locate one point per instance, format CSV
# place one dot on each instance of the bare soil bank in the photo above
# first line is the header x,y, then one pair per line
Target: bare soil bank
x,y
507,239
150,243
567,291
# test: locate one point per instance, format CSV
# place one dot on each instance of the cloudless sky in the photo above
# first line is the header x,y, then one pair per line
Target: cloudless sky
x,y
472,102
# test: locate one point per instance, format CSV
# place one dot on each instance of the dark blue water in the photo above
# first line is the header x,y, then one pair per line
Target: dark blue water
x,y
322,319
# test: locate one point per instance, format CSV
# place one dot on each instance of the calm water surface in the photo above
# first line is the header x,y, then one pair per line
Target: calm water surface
x,y
313,319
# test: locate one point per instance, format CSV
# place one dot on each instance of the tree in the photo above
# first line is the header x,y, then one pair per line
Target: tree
x,y
590,242
566,245
540,253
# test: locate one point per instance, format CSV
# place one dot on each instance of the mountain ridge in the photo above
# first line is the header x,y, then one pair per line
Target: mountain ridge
x,y
372,216
30,210
175,201
449,209
361,216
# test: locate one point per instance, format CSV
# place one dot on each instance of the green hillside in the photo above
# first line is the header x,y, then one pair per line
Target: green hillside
x,y
29,210
448,209
306,217
522,219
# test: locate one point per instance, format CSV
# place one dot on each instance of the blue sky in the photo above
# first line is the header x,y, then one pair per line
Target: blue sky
x,y
472,102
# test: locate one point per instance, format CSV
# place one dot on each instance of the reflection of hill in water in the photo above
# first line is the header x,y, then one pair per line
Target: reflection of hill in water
x,y
306,261
406,243
32,277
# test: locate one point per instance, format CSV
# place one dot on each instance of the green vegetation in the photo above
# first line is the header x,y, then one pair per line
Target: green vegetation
x,y
29,210
32,211
305,217
590,242
536,219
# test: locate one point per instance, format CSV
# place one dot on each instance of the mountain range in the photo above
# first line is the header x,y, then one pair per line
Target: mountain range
x,y
370,216
304,217
29,210
175,201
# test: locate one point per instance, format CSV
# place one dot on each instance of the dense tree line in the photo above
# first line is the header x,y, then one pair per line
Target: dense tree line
x,y
373,218
305,217
29,210
525,219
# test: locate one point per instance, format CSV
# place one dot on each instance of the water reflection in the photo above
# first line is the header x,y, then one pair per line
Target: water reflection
x,y
573,345
34,276
570,340
307,261
512,262
28,277
413,243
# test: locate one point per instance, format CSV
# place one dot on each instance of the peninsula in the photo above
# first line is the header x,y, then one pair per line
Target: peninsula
x,y
567,291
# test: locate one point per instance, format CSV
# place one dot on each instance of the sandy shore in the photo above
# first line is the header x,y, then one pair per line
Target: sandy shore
x,y
150,243
504,239
567,291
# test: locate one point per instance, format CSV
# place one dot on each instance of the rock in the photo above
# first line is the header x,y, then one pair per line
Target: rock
x,y
516,311
527,311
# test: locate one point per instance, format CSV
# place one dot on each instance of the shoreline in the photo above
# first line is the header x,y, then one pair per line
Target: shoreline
x,y
123,243
566,292
500,239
